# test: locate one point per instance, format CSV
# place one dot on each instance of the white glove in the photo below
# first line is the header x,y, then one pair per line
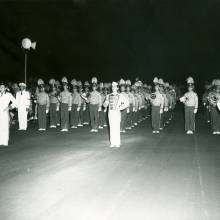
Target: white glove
x,y
105,110
128,110
84,108
166,109
78,109
133,109
69,109
47,111
100,109
182,99
161,111
57,108
195,111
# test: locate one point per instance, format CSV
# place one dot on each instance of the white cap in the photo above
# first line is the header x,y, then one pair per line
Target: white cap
x,y
22,84
114,84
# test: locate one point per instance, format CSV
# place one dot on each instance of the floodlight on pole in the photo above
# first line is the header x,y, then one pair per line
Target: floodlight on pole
x,y
26,44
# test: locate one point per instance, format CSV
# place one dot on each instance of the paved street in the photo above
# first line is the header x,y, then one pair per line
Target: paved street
x,y
76,176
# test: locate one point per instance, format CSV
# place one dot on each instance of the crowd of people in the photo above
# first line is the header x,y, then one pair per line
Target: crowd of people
x,y
121,105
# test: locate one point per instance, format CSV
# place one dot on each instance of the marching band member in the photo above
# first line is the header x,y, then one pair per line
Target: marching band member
x,y
43,105
190,100
157,105
214,99
85,94
23,106
95,105
80,90
65,105
76,105
7,101
54,104
102,113
116,102
130,109
124,111
206,103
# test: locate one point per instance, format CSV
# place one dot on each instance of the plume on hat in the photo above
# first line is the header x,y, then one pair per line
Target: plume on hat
x,y
40,82
64,80
155,81
73,82
128,82
121,82
52,81
94,80
190,80
160,81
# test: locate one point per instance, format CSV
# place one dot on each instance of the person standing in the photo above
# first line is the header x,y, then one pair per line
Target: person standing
x,y
23,106
157,105
76,105
130,109
7,102
54,104
95,106
65,105
190,101
115,103
43,104
124,111
214,99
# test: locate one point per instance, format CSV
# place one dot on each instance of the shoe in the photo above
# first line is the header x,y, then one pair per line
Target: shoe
x,y
105,126
154,132
53,126
73,127
157,132
218,132
100,127
188,132
58,124
92,130
95,130
80,125
39,129
117,146
43,129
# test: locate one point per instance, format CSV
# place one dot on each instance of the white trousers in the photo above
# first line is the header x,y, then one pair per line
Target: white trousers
x,y
22,118
114,123
4,127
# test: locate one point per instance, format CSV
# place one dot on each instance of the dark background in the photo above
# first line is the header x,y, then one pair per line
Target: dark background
x,y
112,39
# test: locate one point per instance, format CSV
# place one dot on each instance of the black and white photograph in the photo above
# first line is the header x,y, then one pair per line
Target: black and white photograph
x,y
109,110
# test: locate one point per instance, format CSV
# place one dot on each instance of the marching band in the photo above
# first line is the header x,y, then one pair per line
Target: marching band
x,y
120,105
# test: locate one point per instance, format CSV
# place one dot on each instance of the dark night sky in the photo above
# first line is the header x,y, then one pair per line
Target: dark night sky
x,y
112,38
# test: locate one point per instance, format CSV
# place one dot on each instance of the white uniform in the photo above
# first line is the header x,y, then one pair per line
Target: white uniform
x,y
6,99
23,103
116,103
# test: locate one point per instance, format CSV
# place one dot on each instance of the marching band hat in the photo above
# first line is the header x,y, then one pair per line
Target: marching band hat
x,y
22,85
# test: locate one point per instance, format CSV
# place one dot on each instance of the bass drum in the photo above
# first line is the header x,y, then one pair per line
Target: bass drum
x,y
218,105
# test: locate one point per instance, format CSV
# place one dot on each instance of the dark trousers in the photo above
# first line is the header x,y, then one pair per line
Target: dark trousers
x,y
64,114
94,115
189,118
215,118
42,116
123,119
53,114
207,113
86,114
101,118
129,117
74,115
155,118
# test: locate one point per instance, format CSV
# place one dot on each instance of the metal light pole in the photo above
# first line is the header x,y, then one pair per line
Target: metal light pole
x,y
27,45
25,67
